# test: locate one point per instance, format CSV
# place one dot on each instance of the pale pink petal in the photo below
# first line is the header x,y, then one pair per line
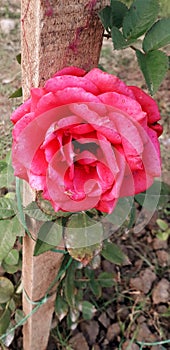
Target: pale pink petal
x,y
38,182
22,124
101,123
151,155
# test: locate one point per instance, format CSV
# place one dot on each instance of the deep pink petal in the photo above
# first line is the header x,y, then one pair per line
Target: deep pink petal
x,y
158,128
21,111
36,94
82,129
105,175
135,182
125,104
147,103
108,82
39,163
106,206
85,157
62,82
79,72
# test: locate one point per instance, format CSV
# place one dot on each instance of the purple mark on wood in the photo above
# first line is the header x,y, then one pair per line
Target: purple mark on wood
x,y
49,9
74,44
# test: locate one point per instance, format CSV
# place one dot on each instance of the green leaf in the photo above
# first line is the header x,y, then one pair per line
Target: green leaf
x,y
162,224
5,316
7,208
89,273
118,40
10,268
88,310
158,36
154,66
3,165
101,67
106,279
104,15
95,288
51,232
132,216
42,247
18,58
6,290
6,174
118,12
17,93
17,227
61,308
47,208
85,254
12,305
12,257
69,286
49,236
19,316
7,238
121,212
35,212
156,195
139,18
112,253
163,236
82,231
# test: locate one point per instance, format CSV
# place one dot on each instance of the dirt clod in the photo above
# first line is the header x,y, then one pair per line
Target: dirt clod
x,y
163,257
90,330
113,331
129,346
144,282
79,342
161,292
104,320
144,334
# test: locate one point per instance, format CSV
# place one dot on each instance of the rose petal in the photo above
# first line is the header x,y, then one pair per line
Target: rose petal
x,y
79,72
21,111
107,82
21,124
147,103
100,123
125,104
106,206
36,94
62,82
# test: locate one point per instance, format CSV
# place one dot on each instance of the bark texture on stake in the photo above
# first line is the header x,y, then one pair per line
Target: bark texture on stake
x,y
54,34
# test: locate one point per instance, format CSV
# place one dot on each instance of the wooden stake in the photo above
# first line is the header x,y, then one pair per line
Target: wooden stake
x,y
54,34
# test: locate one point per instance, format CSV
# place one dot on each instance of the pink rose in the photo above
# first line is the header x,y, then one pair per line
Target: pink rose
x,y
86,139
